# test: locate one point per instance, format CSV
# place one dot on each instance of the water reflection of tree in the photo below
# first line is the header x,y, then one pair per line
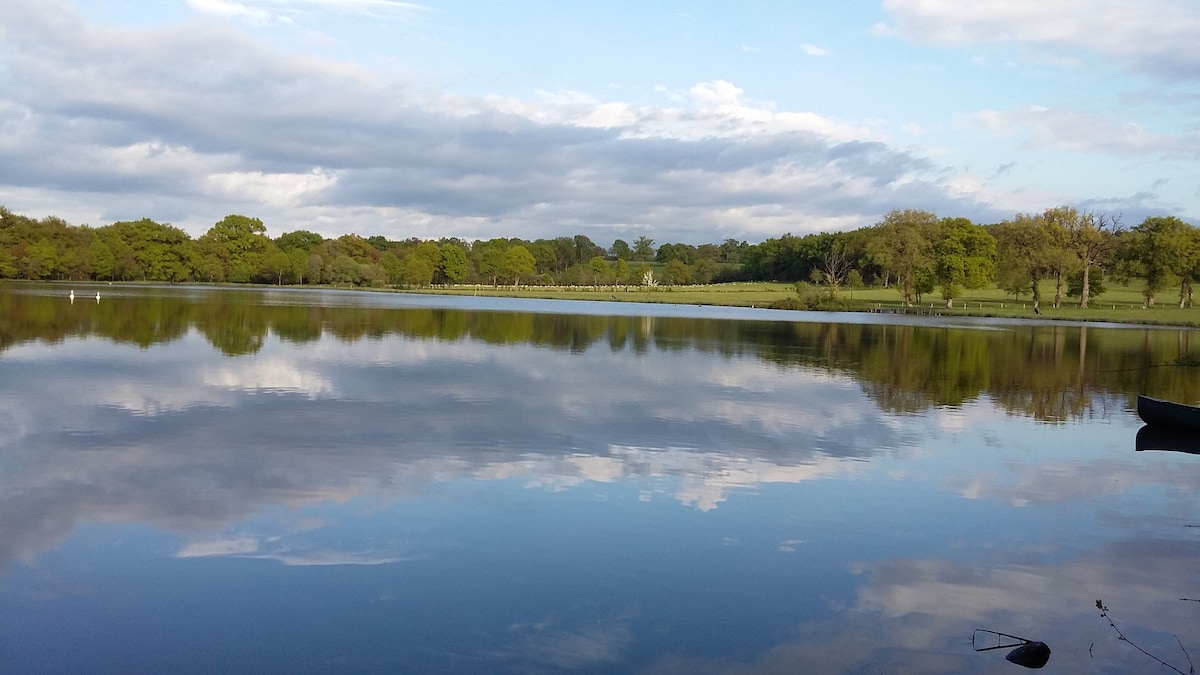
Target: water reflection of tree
x,y
1051,373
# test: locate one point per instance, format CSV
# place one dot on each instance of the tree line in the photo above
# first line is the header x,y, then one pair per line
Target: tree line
x,y
914,251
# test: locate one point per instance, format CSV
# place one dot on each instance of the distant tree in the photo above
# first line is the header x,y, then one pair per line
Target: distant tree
x,y
489,261
1061,260
677,272
731,250
1160,250
453,267
586,249
1093,240
643,249
600,270
298,260
518,262
239,242
1095,284
964,256
415,270
40,260
684,253
902,243
620,250
854,280
1023,245
704,271
300,239
623,274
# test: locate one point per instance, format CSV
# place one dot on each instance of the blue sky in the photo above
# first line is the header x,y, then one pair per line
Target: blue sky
x,y
681,121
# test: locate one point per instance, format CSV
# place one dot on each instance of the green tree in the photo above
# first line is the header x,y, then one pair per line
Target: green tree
x,y
965,256
599,269
300,239
677,273
239,242
902,243
8,265
40,260
1023,245
1093,239
621,250
643,249
586,249
623,273
415,270
1159,250
453,266
518,262
704,271
1059,256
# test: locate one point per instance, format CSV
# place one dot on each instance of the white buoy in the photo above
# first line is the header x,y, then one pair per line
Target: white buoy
x,y
72,294
97,296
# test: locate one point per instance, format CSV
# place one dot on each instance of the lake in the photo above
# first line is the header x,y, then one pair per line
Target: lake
x,y
288,481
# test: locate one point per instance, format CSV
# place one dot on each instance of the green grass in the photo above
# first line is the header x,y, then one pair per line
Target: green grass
x,y
1120,304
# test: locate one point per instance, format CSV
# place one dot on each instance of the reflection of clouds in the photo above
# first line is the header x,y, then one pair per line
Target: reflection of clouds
x,y
269,374
282,550
548,646
705,478
219,547
182,437
1025,484
917,616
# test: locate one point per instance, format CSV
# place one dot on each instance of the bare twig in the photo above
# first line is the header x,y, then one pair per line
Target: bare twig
x,y
1104,613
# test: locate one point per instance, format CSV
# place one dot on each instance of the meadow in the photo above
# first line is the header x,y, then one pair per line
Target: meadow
x,y
1119,304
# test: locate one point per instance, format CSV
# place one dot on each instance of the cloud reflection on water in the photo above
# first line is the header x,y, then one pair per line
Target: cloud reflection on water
x,y
195,443
212,448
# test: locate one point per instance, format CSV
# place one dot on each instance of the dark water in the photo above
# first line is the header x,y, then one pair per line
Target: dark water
x,y
198,481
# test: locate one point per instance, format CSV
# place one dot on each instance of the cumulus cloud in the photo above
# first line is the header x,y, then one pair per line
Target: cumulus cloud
x,y
287,11
191,122
1085,132
1154,36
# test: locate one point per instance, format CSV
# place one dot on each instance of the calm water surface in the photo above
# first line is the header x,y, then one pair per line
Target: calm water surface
x,y
198,481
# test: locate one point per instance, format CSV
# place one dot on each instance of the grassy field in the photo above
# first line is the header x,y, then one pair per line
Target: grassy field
x,y
1120,304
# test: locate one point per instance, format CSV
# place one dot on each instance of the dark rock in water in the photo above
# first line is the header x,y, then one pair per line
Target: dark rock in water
x,y
1030,655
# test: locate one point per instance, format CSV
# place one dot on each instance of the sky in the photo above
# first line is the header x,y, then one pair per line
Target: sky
x,y
680,121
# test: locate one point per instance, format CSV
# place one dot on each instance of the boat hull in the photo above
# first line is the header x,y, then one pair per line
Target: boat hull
x,y
1158,412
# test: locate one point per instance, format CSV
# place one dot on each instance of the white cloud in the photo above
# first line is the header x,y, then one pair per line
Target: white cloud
x,y
190,123
1084,132
287,11
1155,36
278,189
813,50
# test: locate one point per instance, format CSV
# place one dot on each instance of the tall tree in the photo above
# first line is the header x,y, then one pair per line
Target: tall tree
x,y
240,242
453,267
621,250
1093,239
903,244
965,256
1059,255
1022,244
1160,249
518,262
643,249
